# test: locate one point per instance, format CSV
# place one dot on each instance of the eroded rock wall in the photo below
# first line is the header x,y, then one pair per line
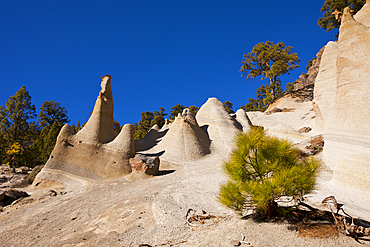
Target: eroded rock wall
x,y
342,101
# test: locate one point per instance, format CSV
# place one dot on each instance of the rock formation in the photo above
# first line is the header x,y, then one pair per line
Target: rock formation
x,y
152,138
309,78
243,119
94,152
342,102
218,123
184,141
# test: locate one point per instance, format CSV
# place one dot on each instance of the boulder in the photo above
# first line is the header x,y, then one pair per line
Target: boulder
x,y
9,196
145,164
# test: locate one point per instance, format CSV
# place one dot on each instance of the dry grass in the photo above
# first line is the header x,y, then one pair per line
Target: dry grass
x,y
317,230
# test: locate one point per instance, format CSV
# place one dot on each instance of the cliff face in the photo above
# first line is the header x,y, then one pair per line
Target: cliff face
x,y
310,77
341,102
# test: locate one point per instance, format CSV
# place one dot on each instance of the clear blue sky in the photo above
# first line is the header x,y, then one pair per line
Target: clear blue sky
x,y
159,53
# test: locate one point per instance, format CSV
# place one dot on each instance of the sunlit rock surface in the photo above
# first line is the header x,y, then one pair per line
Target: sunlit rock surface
x,y
94,152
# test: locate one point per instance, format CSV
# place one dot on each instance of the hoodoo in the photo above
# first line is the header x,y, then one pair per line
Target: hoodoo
x,y
221,127
184,141
93,152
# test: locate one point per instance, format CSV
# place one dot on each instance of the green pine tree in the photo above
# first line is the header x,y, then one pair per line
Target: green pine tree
x,y
328,21
229,107
269,60
261,169
16,126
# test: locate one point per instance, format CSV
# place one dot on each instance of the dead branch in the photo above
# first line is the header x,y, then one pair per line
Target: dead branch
x,y
191,216
350,229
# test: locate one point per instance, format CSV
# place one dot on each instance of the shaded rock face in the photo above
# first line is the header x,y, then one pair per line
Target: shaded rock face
x,y
152,138
93,152
310,77
9,196
221,127
243,119
342,100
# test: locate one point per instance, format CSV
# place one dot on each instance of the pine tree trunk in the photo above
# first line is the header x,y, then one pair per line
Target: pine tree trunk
x,y
272,82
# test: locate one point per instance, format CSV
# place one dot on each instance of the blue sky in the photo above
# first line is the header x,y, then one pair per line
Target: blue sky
x,y
159,53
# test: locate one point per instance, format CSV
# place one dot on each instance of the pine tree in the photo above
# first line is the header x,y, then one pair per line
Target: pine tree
x,y
269,60
147,121
264,97
229,107
328,21
52,117
16,125
261,169
175,110
51,112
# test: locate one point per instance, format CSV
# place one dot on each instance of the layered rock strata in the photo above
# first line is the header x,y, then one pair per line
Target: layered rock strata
x,y
342,102
94,152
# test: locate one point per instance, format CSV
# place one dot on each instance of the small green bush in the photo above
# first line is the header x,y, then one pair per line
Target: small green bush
x,y
261,169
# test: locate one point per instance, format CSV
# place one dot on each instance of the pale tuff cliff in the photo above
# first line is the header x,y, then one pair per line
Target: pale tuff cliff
x,y
341,100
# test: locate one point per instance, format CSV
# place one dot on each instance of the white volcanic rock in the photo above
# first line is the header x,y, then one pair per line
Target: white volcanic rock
x,y
287,115
184,141
220,126
151,139
92,153
243,119
342,100
99,128
363,16
325,87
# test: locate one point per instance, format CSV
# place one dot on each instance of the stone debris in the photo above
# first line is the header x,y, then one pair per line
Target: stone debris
x,y
304,130
23,170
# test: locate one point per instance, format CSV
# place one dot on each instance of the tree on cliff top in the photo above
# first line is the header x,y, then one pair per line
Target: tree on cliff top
x,y
328,21
269,60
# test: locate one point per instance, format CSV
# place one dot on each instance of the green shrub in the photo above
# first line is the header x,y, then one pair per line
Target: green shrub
x,y
261,169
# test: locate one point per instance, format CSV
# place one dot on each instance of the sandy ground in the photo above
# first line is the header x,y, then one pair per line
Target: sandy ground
x,y
143,210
